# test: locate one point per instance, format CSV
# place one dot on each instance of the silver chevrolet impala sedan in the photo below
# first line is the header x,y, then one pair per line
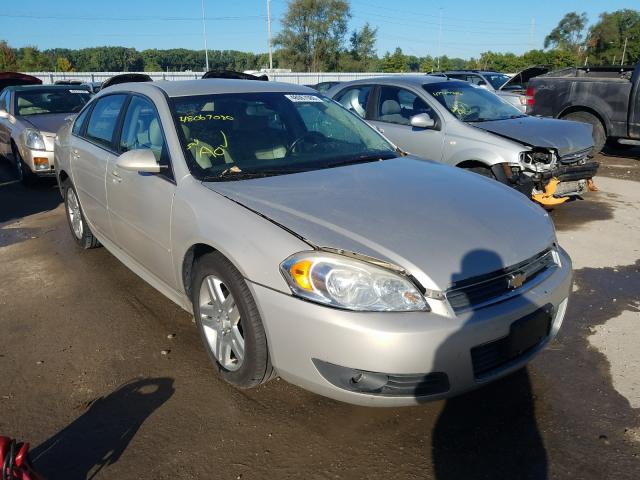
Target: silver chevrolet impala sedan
x,y
307,246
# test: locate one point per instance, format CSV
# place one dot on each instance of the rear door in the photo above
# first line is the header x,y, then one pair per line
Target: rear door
x,y
392,112
92,147
139,203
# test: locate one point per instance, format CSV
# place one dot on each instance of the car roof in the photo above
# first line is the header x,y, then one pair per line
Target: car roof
x,y
470,71
31,88
414,80
182,88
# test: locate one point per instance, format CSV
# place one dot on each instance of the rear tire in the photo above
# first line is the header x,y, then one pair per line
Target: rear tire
x,y
229,322
599,134
77,224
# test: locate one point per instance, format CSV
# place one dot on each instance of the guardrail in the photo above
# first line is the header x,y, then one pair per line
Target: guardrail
x,y
302,78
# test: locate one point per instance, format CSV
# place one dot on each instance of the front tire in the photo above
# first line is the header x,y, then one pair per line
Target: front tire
x,y
77,224
23,173
229,322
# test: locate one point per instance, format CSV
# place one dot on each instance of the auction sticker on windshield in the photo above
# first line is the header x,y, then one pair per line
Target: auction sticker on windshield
x,y
304,98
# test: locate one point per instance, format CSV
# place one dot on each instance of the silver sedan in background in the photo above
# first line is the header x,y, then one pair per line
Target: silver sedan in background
x,y
30,116
307,246
460,124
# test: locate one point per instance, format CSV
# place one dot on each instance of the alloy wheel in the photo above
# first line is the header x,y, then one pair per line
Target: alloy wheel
x,y
75,216
221,323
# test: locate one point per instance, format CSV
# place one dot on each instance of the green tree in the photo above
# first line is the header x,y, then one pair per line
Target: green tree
x,y
606,38
8,59
313,33
396,62
363,47
569,33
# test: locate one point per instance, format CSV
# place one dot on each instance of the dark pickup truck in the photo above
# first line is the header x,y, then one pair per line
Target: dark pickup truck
x,y
608,98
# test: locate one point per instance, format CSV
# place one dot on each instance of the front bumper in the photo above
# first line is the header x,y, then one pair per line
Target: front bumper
x,y
29,156
304,336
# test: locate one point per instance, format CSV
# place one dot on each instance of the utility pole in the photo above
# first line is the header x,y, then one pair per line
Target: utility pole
x,y
269,33
440,38
624,50
204,34
532,32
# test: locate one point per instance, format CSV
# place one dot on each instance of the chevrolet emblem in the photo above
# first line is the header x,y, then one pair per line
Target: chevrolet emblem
x,y
516,280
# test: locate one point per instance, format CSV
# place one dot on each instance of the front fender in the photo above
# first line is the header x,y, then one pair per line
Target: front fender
x,y
254,244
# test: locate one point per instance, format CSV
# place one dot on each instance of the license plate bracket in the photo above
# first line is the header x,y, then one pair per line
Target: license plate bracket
x,y
528,331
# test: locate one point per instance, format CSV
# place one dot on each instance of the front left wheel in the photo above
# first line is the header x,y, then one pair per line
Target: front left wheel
x,y
77,223
229,322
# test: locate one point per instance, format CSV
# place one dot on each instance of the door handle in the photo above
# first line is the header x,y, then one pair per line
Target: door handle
x,y
116,176
75,154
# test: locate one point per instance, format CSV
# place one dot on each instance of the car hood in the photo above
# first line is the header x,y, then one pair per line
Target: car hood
x,y
564,135
49,122
521,79
440,223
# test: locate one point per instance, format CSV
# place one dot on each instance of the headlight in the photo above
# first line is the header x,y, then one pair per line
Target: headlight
x,y
33,139
350,284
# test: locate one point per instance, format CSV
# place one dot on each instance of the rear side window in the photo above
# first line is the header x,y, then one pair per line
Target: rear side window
x,y
355,99
104,118
79,122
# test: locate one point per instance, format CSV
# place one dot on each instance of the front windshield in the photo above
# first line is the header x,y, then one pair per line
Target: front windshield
x,y
58,100
496,79
470,103
235,136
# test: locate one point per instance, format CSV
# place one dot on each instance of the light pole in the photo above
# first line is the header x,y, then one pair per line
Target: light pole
x,y
624,51
204,34
269,33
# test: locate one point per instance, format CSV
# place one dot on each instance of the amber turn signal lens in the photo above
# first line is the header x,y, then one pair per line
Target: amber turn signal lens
x,y
40,161
301,273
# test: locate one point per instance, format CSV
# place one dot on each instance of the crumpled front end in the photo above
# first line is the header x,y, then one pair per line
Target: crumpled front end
x,y
550,179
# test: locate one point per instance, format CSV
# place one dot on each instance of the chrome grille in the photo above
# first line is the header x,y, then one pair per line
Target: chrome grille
x,y
574,157
494,287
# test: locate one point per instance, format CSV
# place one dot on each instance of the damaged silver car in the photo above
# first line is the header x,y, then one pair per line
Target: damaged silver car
x,y
460,124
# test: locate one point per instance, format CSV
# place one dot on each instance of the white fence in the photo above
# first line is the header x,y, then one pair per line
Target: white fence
x,y
298,78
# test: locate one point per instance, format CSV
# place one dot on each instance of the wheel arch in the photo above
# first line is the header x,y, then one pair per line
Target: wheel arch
x,y
590,110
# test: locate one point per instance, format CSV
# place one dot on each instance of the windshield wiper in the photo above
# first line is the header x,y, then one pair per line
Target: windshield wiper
x,y
362,159
234,173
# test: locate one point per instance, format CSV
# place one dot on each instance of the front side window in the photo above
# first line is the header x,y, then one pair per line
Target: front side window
x,y
355,99
235,136
470,103
397,105
43,101
104,119
142,128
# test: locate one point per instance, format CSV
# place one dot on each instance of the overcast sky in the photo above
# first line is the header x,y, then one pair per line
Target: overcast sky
x,y
469,27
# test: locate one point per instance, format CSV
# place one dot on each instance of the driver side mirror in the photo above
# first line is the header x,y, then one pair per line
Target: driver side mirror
x,y
141,161
422,120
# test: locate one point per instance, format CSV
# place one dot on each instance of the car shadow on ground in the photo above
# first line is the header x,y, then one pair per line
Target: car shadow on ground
x,y
99,436
17,201
491,432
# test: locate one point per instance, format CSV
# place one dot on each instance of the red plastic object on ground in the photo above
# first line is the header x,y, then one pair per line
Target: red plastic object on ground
x,y
14,461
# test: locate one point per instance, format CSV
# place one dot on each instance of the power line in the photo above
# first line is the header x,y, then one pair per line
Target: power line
x,y
124,19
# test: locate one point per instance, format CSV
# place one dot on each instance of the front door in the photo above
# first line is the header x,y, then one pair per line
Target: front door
x,y
92,148
392,115
140,204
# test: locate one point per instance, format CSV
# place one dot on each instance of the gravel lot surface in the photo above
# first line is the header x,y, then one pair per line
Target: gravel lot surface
x,y
107,378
